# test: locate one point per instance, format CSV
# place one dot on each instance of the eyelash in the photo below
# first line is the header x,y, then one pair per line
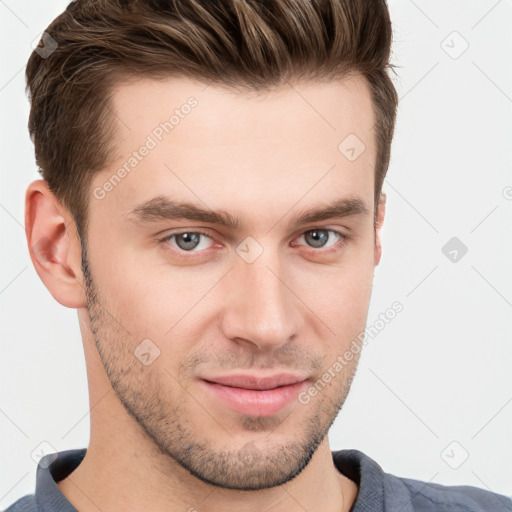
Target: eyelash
x,y
333,248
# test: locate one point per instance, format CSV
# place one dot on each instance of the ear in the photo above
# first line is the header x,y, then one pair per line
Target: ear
x,y
54,245
381,210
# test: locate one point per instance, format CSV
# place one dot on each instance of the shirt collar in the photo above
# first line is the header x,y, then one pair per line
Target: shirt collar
x,y
52,468
368,476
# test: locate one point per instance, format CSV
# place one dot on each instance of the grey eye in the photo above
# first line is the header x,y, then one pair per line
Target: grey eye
x,y
187,241
317,237
321,238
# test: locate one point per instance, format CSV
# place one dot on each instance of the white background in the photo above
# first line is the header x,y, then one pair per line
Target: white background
x,y
437,376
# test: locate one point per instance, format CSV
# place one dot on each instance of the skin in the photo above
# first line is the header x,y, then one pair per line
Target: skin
x,y
158,440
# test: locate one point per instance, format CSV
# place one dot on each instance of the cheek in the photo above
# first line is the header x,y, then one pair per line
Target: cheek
x,y
344,305
340,298
150,298
126,289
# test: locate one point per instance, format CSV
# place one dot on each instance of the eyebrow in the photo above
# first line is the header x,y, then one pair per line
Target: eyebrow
x,y
162,208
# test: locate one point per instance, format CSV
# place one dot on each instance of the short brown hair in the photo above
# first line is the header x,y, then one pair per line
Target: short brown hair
x,y
249,45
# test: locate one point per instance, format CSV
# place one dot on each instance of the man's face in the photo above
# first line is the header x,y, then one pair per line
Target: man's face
x,y
176,302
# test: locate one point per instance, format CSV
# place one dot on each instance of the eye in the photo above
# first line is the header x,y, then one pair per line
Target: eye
x,y
187,241
319,238
199,241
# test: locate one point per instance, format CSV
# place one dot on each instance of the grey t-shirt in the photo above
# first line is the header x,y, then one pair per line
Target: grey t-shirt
x,y
378,491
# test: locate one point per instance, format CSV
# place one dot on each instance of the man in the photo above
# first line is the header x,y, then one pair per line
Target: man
x,y
212,206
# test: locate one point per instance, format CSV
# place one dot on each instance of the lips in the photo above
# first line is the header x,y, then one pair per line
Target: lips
x,y
255,395
260,383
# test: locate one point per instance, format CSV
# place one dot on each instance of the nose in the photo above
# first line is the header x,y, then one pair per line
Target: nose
x,y
261,308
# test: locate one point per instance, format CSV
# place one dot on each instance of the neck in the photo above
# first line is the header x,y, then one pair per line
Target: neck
x,y
125,473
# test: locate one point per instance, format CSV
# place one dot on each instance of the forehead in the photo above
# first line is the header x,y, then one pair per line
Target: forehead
x,y
212,145
224,115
